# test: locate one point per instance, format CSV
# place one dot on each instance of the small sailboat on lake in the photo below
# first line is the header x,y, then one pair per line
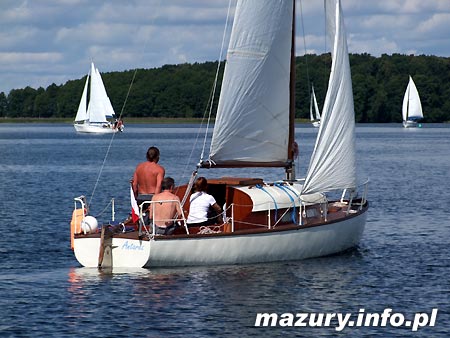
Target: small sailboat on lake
x,y
96,115
287,219
412,107
314,116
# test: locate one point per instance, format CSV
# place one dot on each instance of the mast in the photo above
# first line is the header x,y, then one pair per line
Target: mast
x,y
290,166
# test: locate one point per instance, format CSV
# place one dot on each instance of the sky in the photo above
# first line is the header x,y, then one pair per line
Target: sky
x,y
53,41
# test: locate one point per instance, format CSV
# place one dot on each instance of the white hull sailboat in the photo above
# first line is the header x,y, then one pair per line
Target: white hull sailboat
x,y
264,221
314,116
96,116
279,244
96,128
412,107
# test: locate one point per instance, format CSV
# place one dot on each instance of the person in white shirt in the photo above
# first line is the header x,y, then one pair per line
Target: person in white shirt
x,y
200,204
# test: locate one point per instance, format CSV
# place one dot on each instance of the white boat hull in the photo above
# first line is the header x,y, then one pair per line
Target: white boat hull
x,y
410,124
259,248
94,129
300,243
125,253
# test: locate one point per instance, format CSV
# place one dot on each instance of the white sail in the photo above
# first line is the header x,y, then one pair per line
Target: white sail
x,y
252,121
412,107
81,112
332,164
94,119
107,106
314,115
96,109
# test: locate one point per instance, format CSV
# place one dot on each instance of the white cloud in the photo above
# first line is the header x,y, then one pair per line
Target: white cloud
x,y
373,46
48,41
30,58
436,24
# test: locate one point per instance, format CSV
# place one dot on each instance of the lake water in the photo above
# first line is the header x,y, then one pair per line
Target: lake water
x,y
402,262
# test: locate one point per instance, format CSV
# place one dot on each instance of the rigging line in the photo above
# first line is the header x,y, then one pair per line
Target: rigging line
x,y
286,189
259,186
188,162
112,138
120,116
325,25
304,44
209,104
215,80
104,210
325,34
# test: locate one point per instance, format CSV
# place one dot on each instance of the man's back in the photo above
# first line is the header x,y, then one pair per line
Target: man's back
x,y
147,178
164,213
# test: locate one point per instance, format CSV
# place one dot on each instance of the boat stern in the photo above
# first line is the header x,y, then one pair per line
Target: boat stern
x,y
116,252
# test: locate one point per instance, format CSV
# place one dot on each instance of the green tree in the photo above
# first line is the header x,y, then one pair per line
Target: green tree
x,y
184,90
21,102
3,105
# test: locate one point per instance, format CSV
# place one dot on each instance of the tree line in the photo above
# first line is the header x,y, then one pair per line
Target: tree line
x,y
185,90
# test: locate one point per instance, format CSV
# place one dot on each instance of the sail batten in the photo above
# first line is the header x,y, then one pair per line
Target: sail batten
x,y
255,87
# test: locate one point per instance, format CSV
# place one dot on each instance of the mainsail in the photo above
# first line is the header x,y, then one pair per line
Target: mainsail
x,y
252,124
412,107
333,164
95,109
107,106
99,105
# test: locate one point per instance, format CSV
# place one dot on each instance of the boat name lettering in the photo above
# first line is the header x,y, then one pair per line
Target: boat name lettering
x,y
131,246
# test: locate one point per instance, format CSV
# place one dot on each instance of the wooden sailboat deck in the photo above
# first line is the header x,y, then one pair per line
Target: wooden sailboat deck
x,y
337,211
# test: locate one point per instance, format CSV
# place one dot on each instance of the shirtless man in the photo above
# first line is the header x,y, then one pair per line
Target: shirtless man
x,y
163,213
148,177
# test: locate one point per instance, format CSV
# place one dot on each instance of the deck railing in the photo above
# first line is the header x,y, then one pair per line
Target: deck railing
x,y
151,204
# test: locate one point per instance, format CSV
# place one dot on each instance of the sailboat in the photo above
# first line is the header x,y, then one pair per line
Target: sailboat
x,y
98,115
412,107
289,219
315,117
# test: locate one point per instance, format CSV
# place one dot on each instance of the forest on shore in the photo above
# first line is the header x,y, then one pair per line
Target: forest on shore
x,y
183,91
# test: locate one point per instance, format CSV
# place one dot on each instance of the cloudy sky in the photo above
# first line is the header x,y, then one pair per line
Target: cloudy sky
x,y
52,41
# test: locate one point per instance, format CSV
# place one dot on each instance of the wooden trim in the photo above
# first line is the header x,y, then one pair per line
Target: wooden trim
x,y
262,230
241,164
243,181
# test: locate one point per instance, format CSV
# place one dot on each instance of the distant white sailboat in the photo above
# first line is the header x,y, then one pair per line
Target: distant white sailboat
x,y
412,107
95,116
314,120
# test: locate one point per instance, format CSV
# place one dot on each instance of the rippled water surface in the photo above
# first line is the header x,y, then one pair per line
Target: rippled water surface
x,y
402,262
